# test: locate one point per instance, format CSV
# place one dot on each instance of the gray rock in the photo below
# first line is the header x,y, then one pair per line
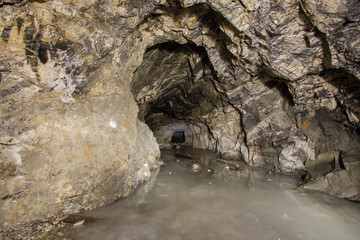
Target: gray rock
x,y
342,183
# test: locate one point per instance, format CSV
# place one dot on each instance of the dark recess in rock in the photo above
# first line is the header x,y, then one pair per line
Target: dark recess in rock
x,y
348,95
283,89
43,53
178,137
174,3
6,34
19,23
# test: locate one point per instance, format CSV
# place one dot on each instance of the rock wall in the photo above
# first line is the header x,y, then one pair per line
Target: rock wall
x,y
69,135
274,83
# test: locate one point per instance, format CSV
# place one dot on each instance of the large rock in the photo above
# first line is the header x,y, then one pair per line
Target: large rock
x,y
292,157
343,183
69,158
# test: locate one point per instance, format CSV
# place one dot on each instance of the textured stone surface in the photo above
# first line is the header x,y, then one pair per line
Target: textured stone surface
x,y
73,157
62,151
343,183
273,83
338,21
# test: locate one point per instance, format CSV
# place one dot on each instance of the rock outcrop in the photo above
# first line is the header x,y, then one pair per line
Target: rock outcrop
x,y
272,83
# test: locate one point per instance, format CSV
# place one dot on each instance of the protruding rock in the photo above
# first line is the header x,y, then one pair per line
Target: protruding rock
x,y
196,167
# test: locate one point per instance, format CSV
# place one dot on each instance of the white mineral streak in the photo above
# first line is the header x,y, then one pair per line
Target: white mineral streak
x,y
112,124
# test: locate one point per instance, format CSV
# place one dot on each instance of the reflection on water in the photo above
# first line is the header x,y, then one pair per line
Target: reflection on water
x,y
219,203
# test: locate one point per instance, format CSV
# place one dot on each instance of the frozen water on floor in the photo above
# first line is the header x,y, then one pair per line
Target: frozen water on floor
x,y
220,203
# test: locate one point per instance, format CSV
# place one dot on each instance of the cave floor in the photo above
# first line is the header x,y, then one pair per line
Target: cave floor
x,y
220,203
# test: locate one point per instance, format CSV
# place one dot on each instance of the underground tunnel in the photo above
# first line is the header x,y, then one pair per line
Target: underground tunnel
x,y
179,119
175,90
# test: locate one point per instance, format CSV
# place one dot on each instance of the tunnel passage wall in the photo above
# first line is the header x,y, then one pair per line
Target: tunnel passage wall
x,y
175,88
271,68
283,76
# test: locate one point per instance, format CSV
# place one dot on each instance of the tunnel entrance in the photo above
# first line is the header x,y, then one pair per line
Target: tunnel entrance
x,y
178,137
175,89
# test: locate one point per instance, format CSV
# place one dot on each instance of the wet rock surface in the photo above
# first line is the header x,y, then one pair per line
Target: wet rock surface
x,y
274,83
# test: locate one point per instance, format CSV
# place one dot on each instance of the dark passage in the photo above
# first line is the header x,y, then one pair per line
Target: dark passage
x,y
178,137
175,85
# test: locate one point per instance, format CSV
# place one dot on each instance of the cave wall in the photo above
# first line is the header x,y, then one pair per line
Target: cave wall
x,y
69,135
274,83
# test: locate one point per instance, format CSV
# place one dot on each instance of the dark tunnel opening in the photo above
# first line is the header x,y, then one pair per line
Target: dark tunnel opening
x,y
178,137
174,88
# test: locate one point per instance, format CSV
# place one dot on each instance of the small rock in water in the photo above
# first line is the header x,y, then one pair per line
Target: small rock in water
x,y
209,183
169,173
79,223
177,160
209,170
227,167
196,167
